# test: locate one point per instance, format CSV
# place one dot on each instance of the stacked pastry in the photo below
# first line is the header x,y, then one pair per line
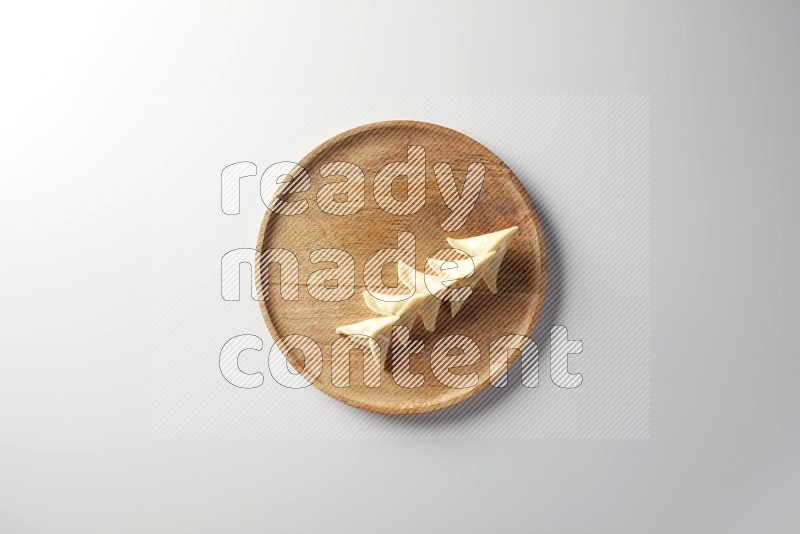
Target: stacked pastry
x,y
451,281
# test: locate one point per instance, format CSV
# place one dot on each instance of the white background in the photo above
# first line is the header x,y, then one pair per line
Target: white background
x,y
101,102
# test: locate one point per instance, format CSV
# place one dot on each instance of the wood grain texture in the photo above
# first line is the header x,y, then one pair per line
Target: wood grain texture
x,y
502,203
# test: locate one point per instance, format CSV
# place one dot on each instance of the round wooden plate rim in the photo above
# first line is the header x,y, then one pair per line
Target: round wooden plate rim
x,y
542,284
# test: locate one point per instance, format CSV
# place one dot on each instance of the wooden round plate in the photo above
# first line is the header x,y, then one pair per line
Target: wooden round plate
x,y
485,316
